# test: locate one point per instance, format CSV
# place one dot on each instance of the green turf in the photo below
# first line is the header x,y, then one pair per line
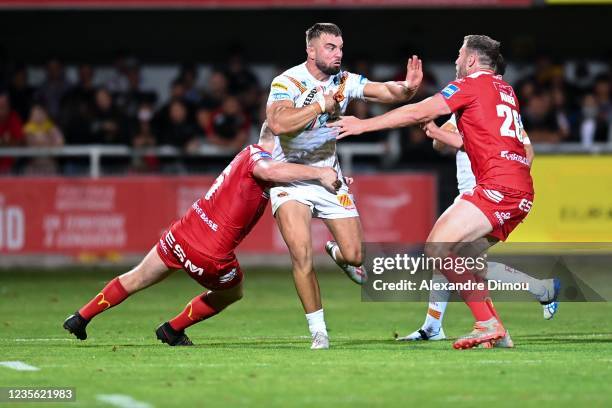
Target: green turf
x,y
256,352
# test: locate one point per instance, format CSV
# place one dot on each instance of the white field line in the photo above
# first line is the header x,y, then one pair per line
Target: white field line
x,y
18,365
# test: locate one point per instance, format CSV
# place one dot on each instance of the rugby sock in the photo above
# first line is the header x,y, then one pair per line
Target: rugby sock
x,y
474,299
112,294
197,310
316,322
438,300
506,274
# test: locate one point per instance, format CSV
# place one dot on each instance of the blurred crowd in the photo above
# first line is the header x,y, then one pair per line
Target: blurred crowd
x,y
229,106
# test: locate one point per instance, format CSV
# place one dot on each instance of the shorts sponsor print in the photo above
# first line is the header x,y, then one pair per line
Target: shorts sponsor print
x,y
176,253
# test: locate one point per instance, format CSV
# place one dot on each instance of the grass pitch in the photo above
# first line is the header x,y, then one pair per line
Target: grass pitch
x,y
256,353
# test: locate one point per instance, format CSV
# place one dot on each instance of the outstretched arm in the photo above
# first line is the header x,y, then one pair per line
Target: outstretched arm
x,y
280,172
406,115
397,91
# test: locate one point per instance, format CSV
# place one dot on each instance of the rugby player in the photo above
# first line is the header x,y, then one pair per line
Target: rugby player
x,y
544,290
303,100
488,118
202,243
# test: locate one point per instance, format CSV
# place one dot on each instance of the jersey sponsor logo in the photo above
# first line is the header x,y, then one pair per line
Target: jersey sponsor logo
x,y
279,86
282,194
345,201
514,157
280,96
502,216
449,91
211,224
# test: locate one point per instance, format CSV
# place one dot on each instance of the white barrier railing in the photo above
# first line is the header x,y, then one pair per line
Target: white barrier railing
x,y
346,151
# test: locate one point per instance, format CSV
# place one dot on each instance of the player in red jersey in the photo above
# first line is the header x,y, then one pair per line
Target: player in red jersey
x,y
202,243
488,120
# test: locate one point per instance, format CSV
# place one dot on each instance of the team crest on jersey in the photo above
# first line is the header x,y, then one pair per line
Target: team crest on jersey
x,y
345,201
449,91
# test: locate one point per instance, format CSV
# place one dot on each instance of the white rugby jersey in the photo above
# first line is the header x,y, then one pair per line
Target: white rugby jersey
x,y
316,143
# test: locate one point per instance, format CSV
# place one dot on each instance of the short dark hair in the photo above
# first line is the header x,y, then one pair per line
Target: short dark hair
x,y
486,48
322,28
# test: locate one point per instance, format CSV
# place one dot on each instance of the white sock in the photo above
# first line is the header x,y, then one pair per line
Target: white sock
x,y
438,300
316,322
500,272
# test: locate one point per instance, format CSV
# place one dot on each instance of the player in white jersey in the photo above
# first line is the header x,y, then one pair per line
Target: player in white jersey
x,y
302,101
544,290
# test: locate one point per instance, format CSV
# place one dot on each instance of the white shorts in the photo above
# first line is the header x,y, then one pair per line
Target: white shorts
x,y
322,203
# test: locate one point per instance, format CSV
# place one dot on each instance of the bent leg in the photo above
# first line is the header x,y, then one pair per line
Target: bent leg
x,y
148,272
348,235
205,306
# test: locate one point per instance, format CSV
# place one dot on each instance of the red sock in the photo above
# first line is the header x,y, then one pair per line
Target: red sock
x,y
197,310
474,299
112,294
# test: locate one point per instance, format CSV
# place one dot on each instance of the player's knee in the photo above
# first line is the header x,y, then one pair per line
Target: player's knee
x,y
435,250
353,256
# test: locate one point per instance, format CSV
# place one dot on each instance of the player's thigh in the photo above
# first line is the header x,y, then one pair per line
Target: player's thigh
x,y
348,234
148,272
293,219
461,222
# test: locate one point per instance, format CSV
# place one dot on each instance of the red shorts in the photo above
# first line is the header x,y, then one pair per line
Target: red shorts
x,y
504,209
176,253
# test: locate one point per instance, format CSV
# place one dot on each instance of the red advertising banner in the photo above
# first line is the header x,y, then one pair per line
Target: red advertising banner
x,y
73,217
228,4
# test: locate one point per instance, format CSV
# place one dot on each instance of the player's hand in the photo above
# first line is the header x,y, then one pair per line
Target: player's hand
x,y
430,128
329,179
331,105
414,73
347,126
348,181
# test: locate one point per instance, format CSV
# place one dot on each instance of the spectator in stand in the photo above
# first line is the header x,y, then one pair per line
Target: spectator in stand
x,y
118,82
188,78
228,126
107,124
143,137
11,131
241,79
80,98
596,113
216,91
178,130
21,94
129,100
40,131
177,93
541,120
53,89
